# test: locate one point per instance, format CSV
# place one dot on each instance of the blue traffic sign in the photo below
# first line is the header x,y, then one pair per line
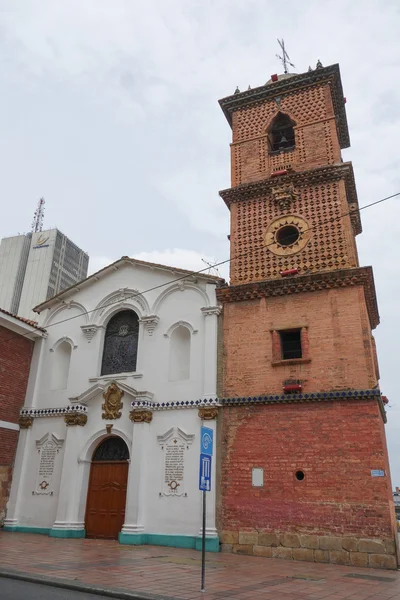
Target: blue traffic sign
x,y
206,441
205,473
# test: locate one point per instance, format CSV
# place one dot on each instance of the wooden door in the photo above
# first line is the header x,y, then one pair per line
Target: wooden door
x,y
105,510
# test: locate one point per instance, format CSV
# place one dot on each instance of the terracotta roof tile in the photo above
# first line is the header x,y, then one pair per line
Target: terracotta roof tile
x,y
27,321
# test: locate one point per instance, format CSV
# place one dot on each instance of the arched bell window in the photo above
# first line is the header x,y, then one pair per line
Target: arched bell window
x,y
121,343
281,133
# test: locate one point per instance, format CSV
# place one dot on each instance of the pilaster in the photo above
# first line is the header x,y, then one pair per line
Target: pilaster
x,y
210,349
67,524
134,526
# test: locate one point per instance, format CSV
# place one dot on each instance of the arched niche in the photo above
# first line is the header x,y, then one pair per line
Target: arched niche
x,y
61,360
179,354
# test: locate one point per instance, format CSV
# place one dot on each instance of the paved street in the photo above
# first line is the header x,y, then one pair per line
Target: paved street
x,y
175,573
22,590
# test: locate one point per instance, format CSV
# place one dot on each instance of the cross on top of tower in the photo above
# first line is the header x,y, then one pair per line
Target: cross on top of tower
x,y
285,58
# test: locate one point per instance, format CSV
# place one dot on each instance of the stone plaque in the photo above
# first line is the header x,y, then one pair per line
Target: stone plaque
x,y
175,444
48,448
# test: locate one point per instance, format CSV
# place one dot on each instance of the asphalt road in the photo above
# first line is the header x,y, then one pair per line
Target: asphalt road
x,y
12,589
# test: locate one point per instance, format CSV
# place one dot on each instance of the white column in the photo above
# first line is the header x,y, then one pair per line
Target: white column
x,y
66,523
21,464
210,350
135,514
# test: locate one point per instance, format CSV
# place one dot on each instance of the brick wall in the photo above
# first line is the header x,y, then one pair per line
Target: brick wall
x,y
315,134
331,443
339,340
336,509
15,359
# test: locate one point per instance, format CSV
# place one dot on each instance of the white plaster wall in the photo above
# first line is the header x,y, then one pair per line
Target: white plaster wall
x,y
153,350
31,510
171,304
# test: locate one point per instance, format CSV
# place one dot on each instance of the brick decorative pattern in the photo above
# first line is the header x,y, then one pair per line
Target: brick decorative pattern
x,y
328,77
317,448
15,360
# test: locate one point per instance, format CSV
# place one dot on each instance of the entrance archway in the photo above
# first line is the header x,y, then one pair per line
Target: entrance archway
x,y
105,507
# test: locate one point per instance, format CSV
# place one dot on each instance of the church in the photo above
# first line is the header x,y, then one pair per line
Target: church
x,y
282,359
118,389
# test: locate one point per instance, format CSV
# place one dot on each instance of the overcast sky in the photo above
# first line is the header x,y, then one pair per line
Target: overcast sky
x,y
108,109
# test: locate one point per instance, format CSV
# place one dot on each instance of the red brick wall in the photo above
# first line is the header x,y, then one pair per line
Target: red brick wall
x,y
336,444
339,339
329,247
315,134
15,359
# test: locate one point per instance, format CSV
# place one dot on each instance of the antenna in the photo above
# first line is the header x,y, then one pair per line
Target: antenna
x,y
211,267
285,58
37,222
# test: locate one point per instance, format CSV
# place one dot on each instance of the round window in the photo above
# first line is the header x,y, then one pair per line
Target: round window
x,y
300,475
288,235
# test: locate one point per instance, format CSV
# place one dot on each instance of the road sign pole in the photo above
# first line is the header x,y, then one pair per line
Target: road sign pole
x,y
203,545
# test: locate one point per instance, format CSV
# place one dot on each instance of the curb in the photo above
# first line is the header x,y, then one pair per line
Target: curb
x,y
68,584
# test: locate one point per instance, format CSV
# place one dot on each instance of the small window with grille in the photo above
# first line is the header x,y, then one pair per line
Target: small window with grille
x,y
291,344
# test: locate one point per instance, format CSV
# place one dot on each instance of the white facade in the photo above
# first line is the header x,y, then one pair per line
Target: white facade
x,y
176,364
35,267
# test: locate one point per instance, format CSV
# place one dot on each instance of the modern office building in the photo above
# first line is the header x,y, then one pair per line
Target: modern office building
x,y
35,267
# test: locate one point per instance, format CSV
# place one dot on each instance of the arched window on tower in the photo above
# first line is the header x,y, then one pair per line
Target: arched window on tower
x,y
121,343
281,133
60,367
179,354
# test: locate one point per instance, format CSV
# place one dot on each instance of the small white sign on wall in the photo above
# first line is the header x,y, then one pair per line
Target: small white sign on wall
x,y
257,477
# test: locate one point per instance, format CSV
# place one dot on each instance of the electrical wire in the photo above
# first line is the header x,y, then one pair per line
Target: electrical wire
x,y
218,264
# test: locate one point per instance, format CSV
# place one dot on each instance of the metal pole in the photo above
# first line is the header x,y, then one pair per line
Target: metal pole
x,y
203,545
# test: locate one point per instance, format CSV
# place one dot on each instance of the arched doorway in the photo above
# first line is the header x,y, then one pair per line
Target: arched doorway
x,y
105,507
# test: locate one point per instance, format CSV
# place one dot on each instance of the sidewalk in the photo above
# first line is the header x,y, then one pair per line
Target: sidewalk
x,y
169,573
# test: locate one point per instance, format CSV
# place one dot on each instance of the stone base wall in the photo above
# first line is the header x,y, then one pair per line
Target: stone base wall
x,y
358,552
5,484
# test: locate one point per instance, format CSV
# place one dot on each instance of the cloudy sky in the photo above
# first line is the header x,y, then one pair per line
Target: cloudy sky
x,y
108,109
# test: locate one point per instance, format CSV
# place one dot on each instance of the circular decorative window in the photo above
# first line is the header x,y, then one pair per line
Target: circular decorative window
x,y
287,235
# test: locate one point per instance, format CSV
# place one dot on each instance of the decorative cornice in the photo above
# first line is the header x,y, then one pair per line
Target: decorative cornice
x,y
175,405
89,331
25,422
211,310
208,413
141,416
373,394
75,419
150,322
53,412
269,91
343,171
312,282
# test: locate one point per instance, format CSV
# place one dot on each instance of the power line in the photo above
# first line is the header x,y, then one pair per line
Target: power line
x,y
218,264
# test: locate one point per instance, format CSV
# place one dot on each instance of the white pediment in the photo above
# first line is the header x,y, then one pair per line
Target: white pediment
x,y
101,386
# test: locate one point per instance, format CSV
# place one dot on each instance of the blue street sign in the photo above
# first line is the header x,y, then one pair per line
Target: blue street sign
x,y
206,441
205,473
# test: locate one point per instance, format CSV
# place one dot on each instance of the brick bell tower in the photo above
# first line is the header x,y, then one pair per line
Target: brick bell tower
x,y
304,470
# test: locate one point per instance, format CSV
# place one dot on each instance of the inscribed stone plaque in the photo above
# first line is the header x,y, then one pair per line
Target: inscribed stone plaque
x,y
175,444
174,467
48,448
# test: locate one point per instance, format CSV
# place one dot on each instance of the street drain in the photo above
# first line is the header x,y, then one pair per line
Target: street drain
x,y
370,577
